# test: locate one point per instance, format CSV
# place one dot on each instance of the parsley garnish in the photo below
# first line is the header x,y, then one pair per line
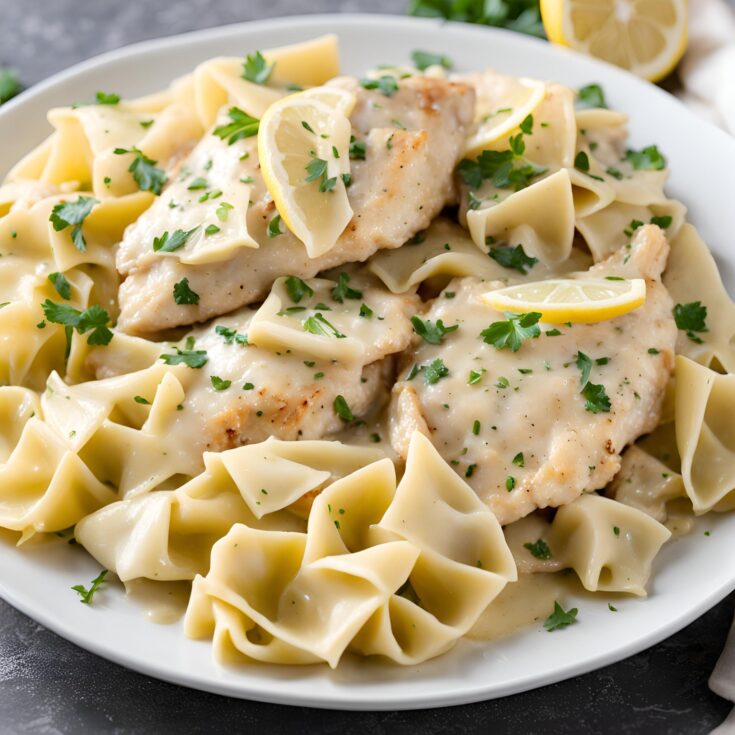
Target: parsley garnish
x,y
141,400
431,333
87,594
647,159
167,243
342,409
256,69
94,318
106,98
385,84
342,291
317,169
366,312
513,258
317,324
435,371
590,96
231,335
242,126
506,169
510,483
475,376
540,549
560,618
183,294
220,384
61,284
518,460
585,367
9,85
513,331
422,60
274,226
190,358
582,162
211,230
145,173
596,400
691,318
357,149
297,289
73,214
662,221
198,183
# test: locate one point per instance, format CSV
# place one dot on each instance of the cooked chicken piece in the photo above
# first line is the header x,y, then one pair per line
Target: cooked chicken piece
x,y
247,392
401,185
515,424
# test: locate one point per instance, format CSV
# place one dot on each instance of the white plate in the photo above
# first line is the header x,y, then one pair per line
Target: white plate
x,y
690,575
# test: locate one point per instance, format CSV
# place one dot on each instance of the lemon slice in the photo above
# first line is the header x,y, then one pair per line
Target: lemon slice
x,y
303,146
336,97
643,36
502,104
559,300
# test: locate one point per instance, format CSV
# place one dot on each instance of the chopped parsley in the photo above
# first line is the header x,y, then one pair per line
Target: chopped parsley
x,y
596,399
274,226
647,159
366,312
297,289
61,284
540,549
357,149
513,331
342,291
168,243
211,230
256,69
386,84
10,86
106,98
691,318
85,594
220,384
422,60
73,214
93,319
248,386
431,333
146,174
141,400
183,295
231,335
560,618
518,460
590,96
435,371
317,170
318,324
582,162
342,409
198,183
510,483
241,126
506,169
584,364
191,358
475,376
513,258
663,221
476,427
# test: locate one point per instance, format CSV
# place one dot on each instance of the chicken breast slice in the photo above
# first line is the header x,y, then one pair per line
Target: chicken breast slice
x,y
246,392
515,424
413,140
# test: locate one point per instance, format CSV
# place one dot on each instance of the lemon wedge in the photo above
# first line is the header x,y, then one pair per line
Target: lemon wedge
x,y
336,97
303,146
502,104
586,300
643,36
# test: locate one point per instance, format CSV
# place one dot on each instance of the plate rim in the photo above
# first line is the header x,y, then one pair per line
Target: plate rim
x,y
473,691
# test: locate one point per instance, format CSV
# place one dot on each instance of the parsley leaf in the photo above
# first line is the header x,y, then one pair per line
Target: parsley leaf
x,y
242,126
582,162
231,335
585,367
106,98
540,549
663,221
145,173
61,284
386,84
219,384
94,319
357,149
506,169
691,318
85,594
435,371
560,618
342,291
73,214
596,399
274,226
342,409
513,331
297,289
9,85
190,358
475,376
168,243
513,258
519,460
317,324
317,169
431,333
183,295
256,69
647,159
366,312
590,96
422,60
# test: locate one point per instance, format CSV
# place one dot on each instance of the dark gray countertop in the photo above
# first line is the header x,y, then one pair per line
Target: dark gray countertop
x,y
49,686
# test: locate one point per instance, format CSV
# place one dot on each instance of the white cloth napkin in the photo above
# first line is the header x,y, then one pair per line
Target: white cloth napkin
x,y
707,70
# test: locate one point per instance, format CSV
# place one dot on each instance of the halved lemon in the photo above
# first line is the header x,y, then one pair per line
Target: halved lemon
x,y
503,103
303,145
647,37
586,300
